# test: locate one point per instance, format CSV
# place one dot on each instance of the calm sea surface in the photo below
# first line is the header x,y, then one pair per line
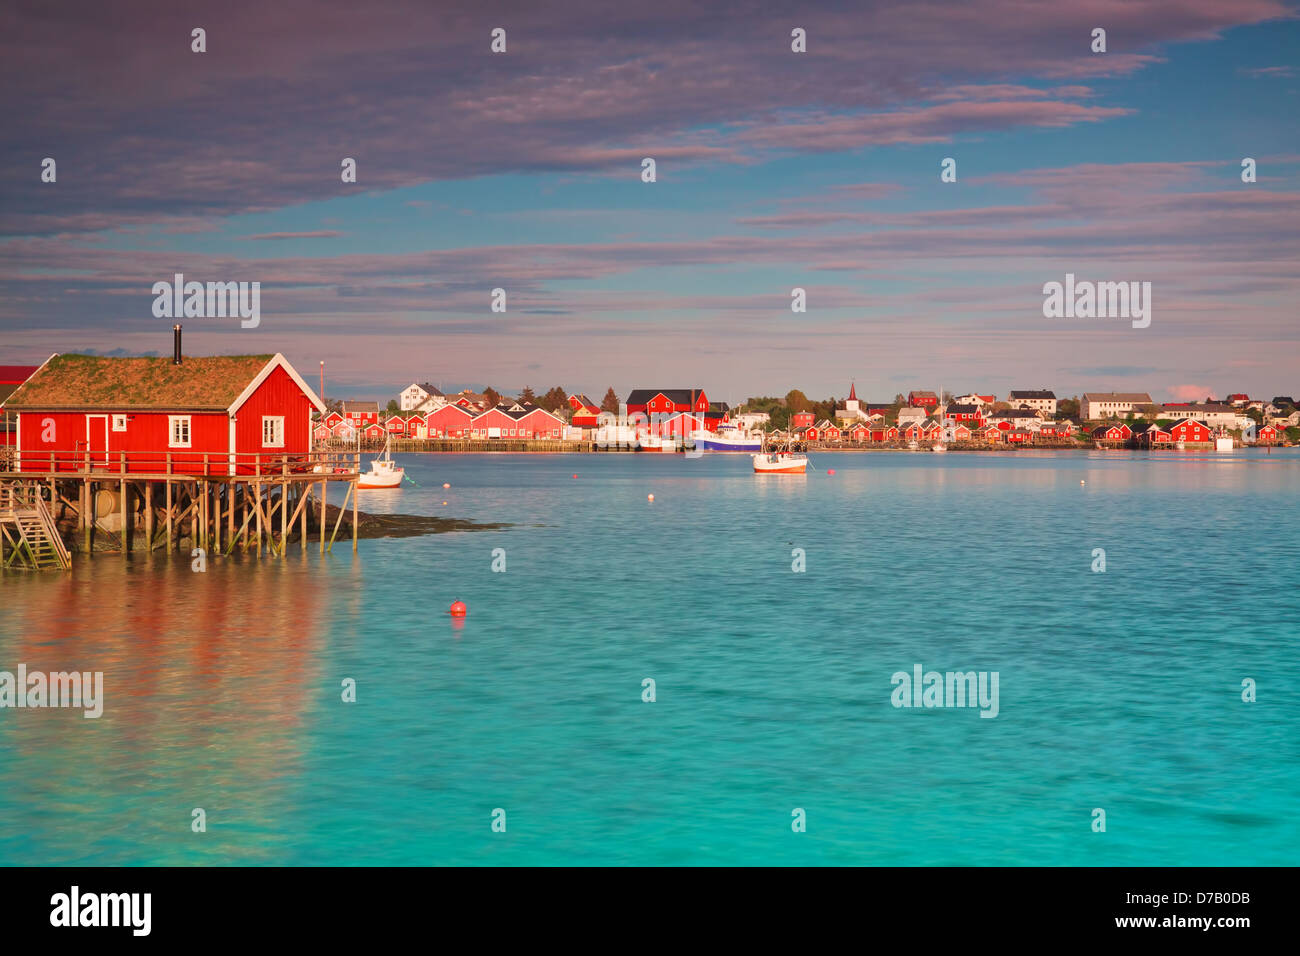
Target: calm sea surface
x,y
1118,690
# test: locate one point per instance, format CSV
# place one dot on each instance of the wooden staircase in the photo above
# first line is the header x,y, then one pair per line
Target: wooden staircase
x,y
29,537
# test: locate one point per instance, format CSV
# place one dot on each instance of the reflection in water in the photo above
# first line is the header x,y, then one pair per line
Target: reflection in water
x,y
207,680
1119,689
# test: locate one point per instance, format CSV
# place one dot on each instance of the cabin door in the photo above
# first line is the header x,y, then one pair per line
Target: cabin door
x,y
97,440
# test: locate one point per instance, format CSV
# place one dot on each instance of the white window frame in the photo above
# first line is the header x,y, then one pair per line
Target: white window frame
x,y
278,422
172,422
119,423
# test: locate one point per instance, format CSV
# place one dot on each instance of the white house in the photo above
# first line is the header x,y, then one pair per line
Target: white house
x,y
1112,404
415,395
1213,415
1039,400
747,421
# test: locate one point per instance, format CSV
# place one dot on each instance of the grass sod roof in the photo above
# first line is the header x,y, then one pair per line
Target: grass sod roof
x,y
207,383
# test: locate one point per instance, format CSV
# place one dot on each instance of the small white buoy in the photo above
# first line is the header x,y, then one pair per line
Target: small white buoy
x,y
1082,482
445,485
650,497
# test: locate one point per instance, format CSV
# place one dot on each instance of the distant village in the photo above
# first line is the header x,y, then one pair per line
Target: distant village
x,y
1026,417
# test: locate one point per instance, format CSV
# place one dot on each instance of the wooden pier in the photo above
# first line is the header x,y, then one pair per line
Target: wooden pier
x,y
54,503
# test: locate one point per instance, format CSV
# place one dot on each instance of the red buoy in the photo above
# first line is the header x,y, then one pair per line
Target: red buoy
x,y
831,471
445,485
457,609
575,476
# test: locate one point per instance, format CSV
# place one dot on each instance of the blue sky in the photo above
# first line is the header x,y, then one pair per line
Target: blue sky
x,y
775,170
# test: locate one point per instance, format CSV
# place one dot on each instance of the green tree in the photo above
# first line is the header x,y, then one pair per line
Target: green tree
x,y
610,402
527,396
797,401
555,398
492,395
394,408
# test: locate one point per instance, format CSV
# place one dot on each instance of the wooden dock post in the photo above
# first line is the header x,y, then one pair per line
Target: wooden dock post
x,y
322,517
284,506
169,513
148,513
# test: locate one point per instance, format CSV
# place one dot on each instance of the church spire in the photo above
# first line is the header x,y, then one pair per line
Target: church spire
x,y
853,392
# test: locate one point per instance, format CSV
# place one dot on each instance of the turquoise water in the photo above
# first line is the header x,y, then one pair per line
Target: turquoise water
x,y
1118,690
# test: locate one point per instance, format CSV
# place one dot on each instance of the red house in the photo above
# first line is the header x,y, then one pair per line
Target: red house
x,y
926,400
680,425
361,413
1267,434
584,411
667,401
449,421
882,432
539,423
1112,433
859,432
1019,436
990,433
138,413
829,431
332,419
801,419
395,425
1154,435
413,426
1192,432
11,376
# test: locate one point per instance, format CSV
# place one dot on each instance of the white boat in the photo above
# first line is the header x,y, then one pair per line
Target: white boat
x,y
383,473
939,447
726,438
657,443
1223,441
912,446
780,463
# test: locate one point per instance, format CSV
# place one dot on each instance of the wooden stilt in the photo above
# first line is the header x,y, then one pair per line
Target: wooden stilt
x,y
257,505
322,516
126,530
148,514
169,514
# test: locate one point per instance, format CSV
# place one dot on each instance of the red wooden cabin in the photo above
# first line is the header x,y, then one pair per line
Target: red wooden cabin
x,y
1190,430
222,413
449,421
584,411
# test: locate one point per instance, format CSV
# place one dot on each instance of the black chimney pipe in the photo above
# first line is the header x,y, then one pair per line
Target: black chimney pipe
x,y
176,345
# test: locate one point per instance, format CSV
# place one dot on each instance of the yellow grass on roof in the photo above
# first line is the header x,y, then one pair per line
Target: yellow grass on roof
x,y
95,381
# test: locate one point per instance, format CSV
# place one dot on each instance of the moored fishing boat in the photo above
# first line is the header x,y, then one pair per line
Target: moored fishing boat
x,y
657,443
384,472
726,438
780,463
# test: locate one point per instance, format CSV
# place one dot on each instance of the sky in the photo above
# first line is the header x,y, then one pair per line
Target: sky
x,y
775,170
